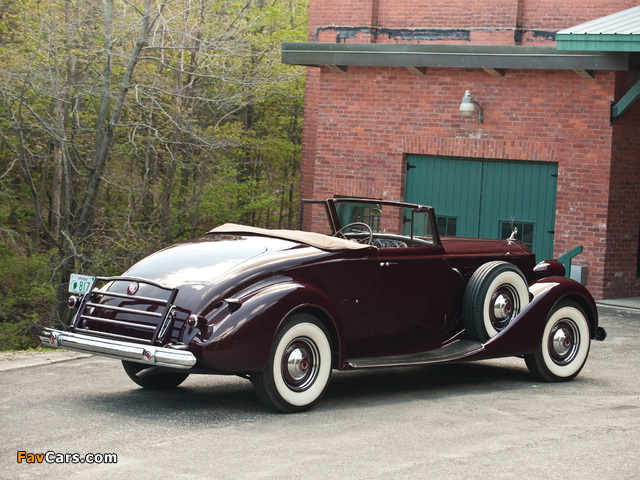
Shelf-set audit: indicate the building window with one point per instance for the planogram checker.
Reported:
(369, 213)
(525, 232)
(447, 226)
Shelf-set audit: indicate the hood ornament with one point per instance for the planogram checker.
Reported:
(514, 232)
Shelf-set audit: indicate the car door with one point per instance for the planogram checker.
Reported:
(417, 302)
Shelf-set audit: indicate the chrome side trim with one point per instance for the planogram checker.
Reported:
(133, 352)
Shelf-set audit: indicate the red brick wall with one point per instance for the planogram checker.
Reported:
(331, 13)
(554, 15)
(623, 227)
(309, 139)
(359, 125)
(491, 22)
(493, 14)
(370, 118)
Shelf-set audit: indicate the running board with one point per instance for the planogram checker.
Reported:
(456, 350)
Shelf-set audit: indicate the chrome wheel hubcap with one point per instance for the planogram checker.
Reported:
(503, 307)
(563, 342)
(300, 364)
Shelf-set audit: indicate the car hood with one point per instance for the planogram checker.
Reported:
(459, 246)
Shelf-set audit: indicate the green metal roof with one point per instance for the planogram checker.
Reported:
(618, 32)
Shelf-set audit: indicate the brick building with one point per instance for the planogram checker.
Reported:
(385, 80)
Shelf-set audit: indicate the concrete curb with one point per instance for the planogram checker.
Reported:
(14, 360)
(631, 303)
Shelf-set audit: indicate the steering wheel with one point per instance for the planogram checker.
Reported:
(365, 241)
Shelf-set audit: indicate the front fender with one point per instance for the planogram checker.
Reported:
(241, 342)
(524, 335)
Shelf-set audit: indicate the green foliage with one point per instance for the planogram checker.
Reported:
(25, 293)
(210, 132)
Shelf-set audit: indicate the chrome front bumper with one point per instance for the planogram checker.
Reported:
(132, 352)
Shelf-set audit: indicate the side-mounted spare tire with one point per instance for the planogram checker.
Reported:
(494, 296)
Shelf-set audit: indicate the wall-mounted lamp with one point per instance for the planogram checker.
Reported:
(468, 106)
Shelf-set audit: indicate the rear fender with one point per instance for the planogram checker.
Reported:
(524, 335)
(242, 340)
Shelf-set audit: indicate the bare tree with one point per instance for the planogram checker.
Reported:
(143, 133)
(109, 115)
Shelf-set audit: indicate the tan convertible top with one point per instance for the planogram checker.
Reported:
(318, 240)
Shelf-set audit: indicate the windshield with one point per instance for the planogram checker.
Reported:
(392, 223)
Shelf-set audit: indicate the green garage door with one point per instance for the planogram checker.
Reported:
(478, 198)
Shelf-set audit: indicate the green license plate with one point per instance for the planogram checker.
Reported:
(80, 284)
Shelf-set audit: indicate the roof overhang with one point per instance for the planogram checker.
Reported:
(607, 43)
(618, 32)
(417, 57)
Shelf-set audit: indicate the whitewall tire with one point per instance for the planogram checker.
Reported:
(496, 293)
(565, 345)
(299, 366)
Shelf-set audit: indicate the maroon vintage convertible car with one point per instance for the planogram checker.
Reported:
(283, 308)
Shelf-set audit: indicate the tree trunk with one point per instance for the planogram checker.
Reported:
(106, 126)
(167, 187)
(56, 191)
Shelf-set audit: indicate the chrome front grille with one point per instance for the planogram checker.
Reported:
(113, 308)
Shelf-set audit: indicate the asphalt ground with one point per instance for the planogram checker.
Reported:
(489, 420)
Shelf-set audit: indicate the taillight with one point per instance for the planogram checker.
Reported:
(196, 321)
(73, 301)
